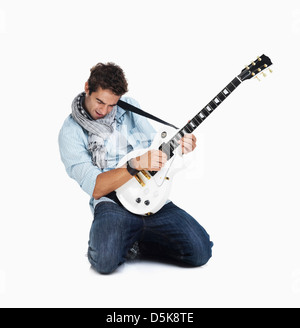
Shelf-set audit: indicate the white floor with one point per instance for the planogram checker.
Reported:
(252, 266)
(152, 285)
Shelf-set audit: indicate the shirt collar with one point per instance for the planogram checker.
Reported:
(120, 114)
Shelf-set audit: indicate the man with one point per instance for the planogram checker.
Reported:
(92, 140)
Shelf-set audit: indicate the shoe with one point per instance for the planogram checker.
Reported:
(133, 252)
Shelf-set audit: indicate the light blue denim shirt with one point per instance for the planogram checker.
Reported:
(132, 132)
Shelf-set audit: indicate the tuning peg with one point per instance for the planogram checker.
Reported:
(257, 78)
(263, 74)
(270, 70)
(259, 59)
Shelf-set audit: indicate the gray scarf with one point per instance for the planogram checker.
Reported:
(99, 130)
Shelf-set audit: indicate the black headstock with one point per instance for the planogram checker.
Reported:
(255, 68)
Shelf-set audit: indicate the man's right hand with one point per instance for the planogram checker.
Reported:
(153, 160)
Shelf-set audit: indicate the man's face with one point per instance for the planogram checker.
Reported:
(100, 103)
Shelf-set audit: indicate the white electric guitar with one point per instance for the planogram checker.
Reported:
(148, 192)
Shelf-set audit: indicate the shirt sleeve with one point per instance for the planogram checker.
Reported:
(76, 158)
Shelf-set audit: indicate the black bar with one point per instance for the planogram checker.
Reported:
(148, 317)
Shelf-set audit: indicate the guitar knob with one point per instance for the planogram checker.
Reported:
(147, 202)
(138, 200)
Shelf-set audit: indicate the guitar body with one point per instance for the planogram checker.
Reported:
(145, 194)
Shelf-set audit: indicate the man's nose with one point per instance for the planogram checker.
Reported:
(103, 108)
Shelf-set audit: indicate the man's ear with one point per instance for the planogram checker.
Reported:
(86, 88)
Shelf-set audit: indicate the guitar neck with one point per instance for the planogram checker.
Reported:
(192, 125)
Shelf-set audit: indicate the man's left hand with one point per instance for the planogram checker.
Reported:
(188, 143)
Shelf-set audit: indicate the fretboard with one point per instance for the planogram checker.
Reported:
(192, 125)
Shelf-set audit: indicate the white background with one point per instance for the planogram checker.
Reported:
(243, 183)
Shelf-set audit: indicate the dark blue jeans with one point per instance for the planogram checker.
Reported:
(171, 234)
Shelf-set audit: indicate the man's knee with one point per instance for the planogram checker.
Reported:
(201, 252)
(103, 263)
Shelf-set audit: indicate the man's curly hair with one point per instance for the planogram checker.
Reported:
(108, 76)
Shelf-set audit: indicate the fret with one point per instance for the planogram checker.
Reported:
(193, 124)
(173, 143)
(236, 82)
(181, 133)
(197, 119)
(205, 112)
(169, 146)
(212, 105)
(226, 92)
(188, 128)
(203, 117)
(230, 87)
(177, 136)
(221, 96)
(217, 101)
